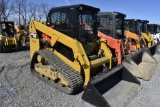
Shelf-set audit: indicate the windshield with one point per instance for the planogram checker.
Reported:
(105, 21)
(150, 29)
(86, 20)
(155, 29)
(129, 25)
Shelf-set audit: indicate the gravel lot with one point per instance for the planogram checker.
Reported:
(19, 88)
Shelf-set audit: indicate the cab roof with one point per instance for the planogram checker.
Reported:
(77, 6)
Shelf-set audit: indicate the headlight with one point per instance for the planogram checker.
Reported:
(33, 35)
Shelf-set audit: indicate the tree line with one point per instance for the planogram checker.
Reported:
(22, 11)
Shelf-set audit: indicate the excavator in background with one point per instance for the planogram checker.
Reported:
(67, 54)
(9, 39)
(111, 28)
(153, 49)
(153, 30)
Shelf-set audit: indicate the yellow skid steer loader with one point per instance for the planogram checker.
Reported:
(67, 54)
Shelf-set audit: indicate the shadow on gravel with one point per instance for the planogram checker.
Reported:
(24, 48)
(78, 92)
(1, 68)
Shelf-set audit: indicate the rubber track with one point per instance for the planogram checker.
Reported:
(75, 80)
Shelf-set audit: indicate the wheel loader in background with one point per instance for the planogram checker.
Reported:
(153, 30)
(67, 54)
(111, 28)
(153, 49)
(8, 38)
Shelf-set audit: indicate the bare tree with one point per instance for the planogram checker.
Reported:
(21, 9)
(6, 9)
(32, 10)
(24, 13)
(46, 8)
(42, 10)
(0, 10)
(40, 13)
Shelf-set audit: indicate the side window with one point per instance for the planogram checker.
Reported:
(61, 22)
(55, 18)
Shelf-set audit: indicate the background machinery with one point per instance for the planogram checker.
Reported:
(153, 49)
(153, 30)
(8, 37)
(132, 27)
(146, 38)
(144, 31)
(111, 29)
(67, 54)
(23, 30)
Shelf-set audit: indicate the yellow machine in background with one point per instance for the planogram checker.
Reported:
(67, 54)
(132, 27)
(8, 37)
(144, 31)
(23, 30)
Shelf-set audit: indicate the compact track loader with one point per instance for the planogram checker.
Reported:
(67, 54)
(8, 37)
(153, 49)
(140, 28)
(132, 27)
(112, 30)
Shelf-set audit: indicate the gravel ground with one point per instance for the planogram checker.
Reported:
(19, 88)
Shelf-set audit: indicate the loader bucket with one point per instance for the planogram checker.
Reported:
(113, 89)
(154, 51)
(141, 64)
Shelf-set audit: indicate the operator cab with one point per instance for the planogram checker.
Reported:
(7, 28)
(152, 28)
(133, 25)
(76, 21)
(112, 24)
